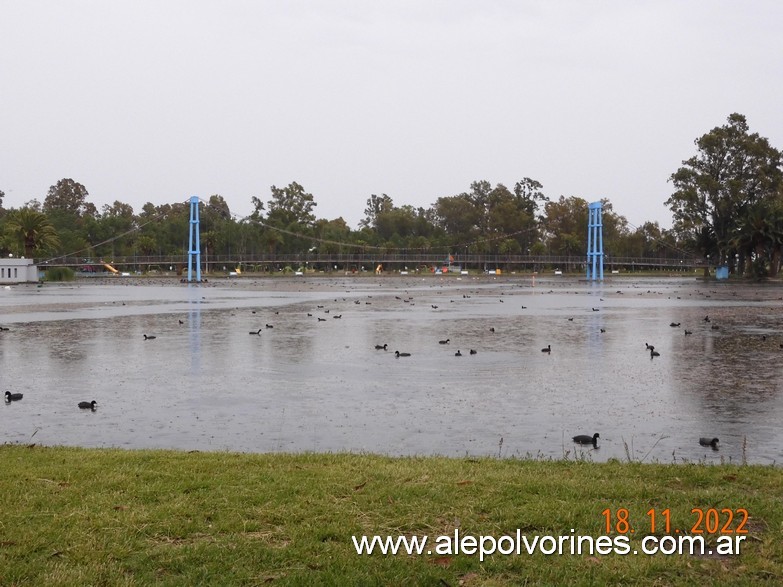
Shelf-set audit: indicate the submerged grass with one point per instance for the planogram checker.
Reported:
(72, 516)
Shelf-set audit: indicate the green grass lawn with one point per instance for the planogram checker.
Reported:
(73, 516)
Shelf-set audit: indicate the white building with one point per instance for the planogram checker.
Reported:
(18, 271)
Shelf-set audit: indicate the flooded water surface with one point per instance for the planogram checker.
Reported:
(309, 377)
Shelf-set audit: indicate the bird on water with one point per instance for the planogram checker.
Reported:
(458, 354)
(149, 337)
(88, 405)
(713, 442)
(547, 349)
(398, 354)
(585, 439)
(381, 347)
(13, 397)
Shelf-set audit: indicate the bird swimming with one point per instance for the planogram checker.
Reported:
(473, 352)
(548, 349)
(585, 439)
(654, 353)
(398, 354)
(458, 354)
(149, 337)
(675, 324)
(649, 347)
(444, 341)
(269, 326)
(13, 397)
(713, 442)
(88, 405)
(380, 347)
(255, 331)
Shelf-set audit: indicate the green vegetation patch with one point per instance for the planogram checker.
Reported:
(60, 274)
(73, 516)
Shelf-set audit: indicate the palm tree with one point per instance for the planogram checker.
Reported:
(32, 230)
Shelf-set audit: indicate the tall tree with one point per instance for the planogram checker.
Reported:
(69, 196)
(566, 225)
(458, 216)
(376, 205)
(291, 210)
(72, 215)
(291, 206)
(529, 195)
(113, 228)
(219, 205)
(32, 231)
(731, 173)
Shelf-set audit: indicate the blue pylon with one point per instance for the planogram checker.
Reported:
(595, 243)
(194, 245)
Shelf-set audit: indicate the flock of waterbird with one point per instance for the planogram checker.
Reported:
(15, 397)
(582, 439)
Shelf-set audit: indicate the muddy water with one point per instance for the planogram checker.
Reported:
(305, 384)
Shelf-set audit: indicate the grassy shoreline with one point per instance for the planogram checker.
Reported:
(116, 517)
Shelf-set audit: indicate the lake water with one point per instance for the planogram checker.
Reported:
(205, 383)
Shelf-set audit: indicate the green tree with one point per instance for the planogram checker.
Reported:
(376, 205)
(71, 214)
(565, 224)
(731, 173)
(32, 230)
(331, 233)
(291, 206)
(112, 233)
(529, 196)
(146, 245)
(291, 210)
(70, 197)
(458, 216)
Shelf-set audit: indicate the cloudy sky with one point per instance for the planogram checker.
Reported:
(155, 101)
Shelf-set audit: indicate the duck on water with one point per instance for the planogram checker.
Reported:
(586, 439)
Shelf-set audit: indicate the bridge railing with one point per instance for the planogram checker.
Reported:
(369, 260)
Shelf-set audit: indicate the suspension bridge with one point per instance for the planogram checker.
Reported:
(345, 257)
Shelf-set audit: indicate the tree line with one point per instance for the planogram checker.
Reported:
(727, 203)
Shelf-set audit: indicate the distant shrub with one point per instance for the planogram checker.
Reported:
(60, 274)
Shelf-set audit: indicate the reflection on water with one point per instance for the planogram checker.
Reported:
(319, 385)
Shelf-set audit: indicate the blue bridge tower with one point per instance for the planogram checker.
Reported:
(595, 243)
(194, 245)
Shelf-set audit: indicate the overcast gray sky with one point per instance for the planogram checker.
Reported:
(155, 101)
